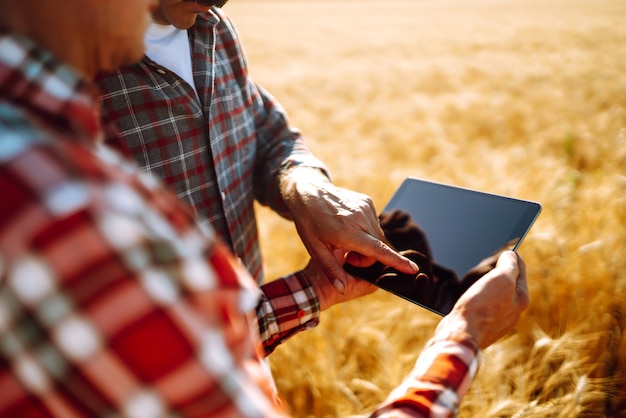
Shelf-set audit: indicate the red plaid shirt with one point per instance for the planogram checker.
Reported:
(112, 301)
(219, 151)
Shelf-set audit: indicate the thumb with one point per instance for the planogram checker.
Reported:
(331, 262)
(508, 261)
(514, 267)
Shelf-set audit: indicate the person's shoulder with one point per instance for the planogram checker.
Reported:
(225, 23)
(25, 144)
(42, 180)
(45, 165)
(39, 158)
(123, 79)
(16, 127)
(47, 181)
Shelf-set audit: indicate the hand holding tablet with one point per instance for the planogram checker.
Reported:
(454, 234)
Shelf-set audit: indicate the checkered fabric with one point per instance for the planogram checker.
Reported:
(292, 307)
(219, 152)
(113, 302)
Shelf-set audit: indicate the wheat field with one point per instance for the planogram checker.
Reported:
(521, 97)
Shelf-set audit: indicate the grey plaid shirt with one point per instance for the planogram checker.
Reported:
(219, 152)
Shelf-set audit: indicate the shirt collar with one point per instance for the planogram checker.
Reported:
(34, 78)
(210, 16)
(209, 19)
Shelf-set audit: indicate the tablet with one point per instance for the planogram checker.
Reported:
(454, 234)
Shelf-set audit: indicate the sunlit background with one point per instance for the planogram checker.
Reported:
(520, 97)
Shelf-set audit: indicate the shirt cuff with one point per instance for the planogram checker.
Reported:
(288, 305)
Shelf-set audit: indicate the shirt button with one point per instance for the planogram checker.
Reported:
(301, 314)
(161, 71)
(223, 196)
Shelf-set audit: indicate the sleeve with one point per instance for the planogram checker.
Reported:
(441, 377)
(288, 305)
(280, 146)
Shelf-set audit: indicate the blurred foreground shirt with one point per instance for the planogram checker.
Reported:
(112, 301)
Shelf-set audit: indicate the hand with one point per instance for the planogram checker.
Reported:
(328, 217)
(327, 294)
(492, 305)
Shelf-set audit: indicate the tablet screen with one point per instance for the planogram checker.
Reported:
(454, 234)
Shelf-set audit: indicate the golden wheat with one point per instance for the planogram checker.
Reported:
(521, 97)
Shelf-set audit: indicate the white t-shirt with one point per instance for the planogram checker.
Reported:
(169, 47)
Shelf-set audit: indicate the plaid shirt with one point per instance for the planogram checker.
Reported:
(219, 151)
(112, 301)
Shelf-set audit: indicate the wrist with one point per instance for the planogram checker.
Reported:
(298, 175)
(312, 276)
(455, 327)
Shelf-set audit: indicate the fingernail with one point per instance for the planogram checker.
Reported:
(414, 266)
(339, 286)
